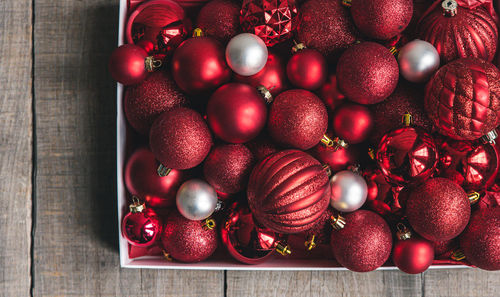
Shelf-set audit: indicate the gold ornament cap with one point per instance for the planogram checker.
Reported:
(490, 137)
(152, 64)
(209, 224)
(473, 197)
(336, 143)
(407, 119)
(266, 94)
(163, 171)
(338, 222)
(346, 3)
(457, 255)
(198, 32)
(283, 249)
(310, 242)
(449, 7)
(403, 232)
(298, 47)
(136, 205)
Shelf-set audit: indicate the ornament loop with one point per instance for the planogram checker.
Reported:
(310, 244)
(403, 232)
(346, 3)
(136, 205)
(283, 249)
(298, 47)
(209, 224)
(266, 94)
(152, 64)
(167, 256)
(163, 171)
(457, 255)
(473, 197)
(394, 50)
(490, 137)
(449, 8)
(338, 222)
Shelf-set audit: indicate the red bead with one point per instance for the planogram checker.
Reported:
(220, 19)
(413, 255)
(141, 228)
(330, 93)
(352, 122)
(307, 69)
(126, 64)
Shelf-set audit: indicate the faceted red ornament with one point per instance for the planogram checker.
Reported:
(352, 122)
(413, 255)
(288, 191)
(127, 64)
(463, 98)
(141, 226)
(272, 20)
(330, 93)
(307, 69)
(220, 19)
(379, 192)
(337, 159)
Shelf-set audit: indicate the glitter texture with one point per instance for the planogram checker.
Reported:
(220, 19)
(262, 146)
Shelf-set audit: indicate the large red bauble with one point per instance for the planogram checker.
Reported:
(144, 102)
(127, 64)
(330, 93)
(228, 167)
(297, 118)
(307, 69)
(364, 244)
(413, 255)
(367, 73)
(438, 209)
(186, 240)
(141, 228)
(199, 65)
(337, 159)
(288, 191)
(220, 19)
(480, 241)
(180, 138)
(462, 98)
(352, 122)
(236, 112)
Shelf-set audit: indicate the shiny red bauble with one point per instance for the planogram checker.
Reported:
(352, 122)
(364, 244)
(367, 73)
(297, 118)
(180, 138)
(463, 98)
(142, 227)
(288, 191)
(337, 159)
(307, 69)
(220, 19)
(380, 192)
(236, 112)
(199, 65)
(127, 64)
(413, 255)
(330, 93)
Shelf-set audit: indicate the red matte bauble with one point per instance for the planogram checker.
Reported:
(220, 19)
(288, 191)
(141, 228)
(330, 93)
(381, 19)
(180, 138)
(337, 159)
(367, 73)
(127, 64)
(186, 240)
(297, 118)
(364, 244)
(236, 112)
(413, 255)
(144, 102)
(307, 69)
(480, 241)
(352, 122)
(438, 209)
(199, 65)
(228, 167)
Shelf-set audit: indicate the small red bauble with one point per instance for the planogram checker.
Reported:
(438, 209)
(364, 244)
(127, 64)
(220, 19)
(413, 255)
(288, 191)
(236, 112)
(297, 118)
(188, 241)
(462, 98)
(330, 93)
(480, 241)
(352, 122)
(367, 73)
(307, 69)
(337, 159)
(199, 65)
(141, 226)
(180, 138)
(380, 192)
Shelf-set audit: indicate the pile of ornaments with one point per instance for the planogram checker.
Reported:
(360, 131)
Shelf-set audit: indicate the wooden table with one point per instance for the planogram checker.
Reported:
(57, 177)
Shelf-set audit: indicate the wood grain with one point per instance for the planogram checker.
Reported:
(462, 283)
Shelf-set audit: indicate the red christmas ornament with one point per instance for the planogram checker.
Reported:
(188, 241)
(480, 241)
(321, 232)
(144, 102)
(297, 118)
(141, 226)
(129, 64)
(288, 191)
(458, 32)
(413, 255)
(379, 192)
(352, 122)
(444, 247)
(462, 98)
(367, 73)
(330, 93)
(180, 138)
(236, 113)
(199, 65)
(337, 159)
(191, 4)
(438, 209)
(307, 69)
(262, 146)
(220, 19)
(364, 244)
(272, 20)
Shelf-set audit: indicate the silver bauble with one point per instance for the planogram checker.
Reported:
(418, 60)
(348, 191)
(196, 200)
(246, 54)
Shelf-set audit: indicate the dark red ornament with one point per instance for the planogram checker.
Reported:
(262, 146)
(220, 19)
(443, 248)
(320, 233)
(128, 64)
(380, 192)
(330, 93)
(337, 159)
(288, 191)
(141, 226)
(307, 69)
(352, 122)
(413, 255)
(191, 4)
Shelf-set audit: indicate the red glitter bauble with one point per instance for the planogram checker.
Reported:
(297, 118)
(438, 209)
(227, 168)
(288, 191)
(145, 101)
(381, 19)
(262, 146)
(330, 93)
(337, 159)
(444, 247)
(413, 255)
(199, 65)
(352, 122)
(191, 4)
(364, 244)
(180, 138)
(462, 98)
(307, 69)
(480, 241)
(272, 20)
(236, 112)
(141, 228)
(127, 64)
(367, 73)
(186, 240)
(220, 19)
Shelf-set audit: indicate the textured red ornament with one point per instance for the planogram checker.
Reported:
(236, 112)
(413, 255)
(330, 93)
(352, 122)
(443, 248)
(220, 19)
(199, 65)
(141, 228)
(307, 69)
(127, 64)
(480, 241)
(364, 244)
(322, 230)
(462, 98)
(272, 20)
(337, 159)
(288, 191)
(180, 138)
(367, 73)
(262, 146)
(297, 118)
(438, 209)
(187, 241)
(144, 102)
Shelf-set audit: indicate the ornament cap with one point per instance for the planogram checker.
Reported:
(283, 249)
(394, 50)
(473, 197)
(136, 205)
(407, 119)
(298, 47)
(449, 7)
(310, 243)
(403, 232)
(198, 32)
(490, 137)
(266, 94)
(163, 171)
(209, 224)
(338, 222)
(167, 256)
(346, 3)
(457, 255)
(327, 169)
(371, 153)
(152, 64)
(336, 142)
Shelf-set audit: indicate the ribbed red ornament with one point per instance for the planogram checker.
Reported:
(288, 191)
(220, 19)
(413, 255)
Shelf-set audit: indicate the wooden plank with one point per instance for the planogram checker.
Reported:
(462, 283)
(15, 146)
